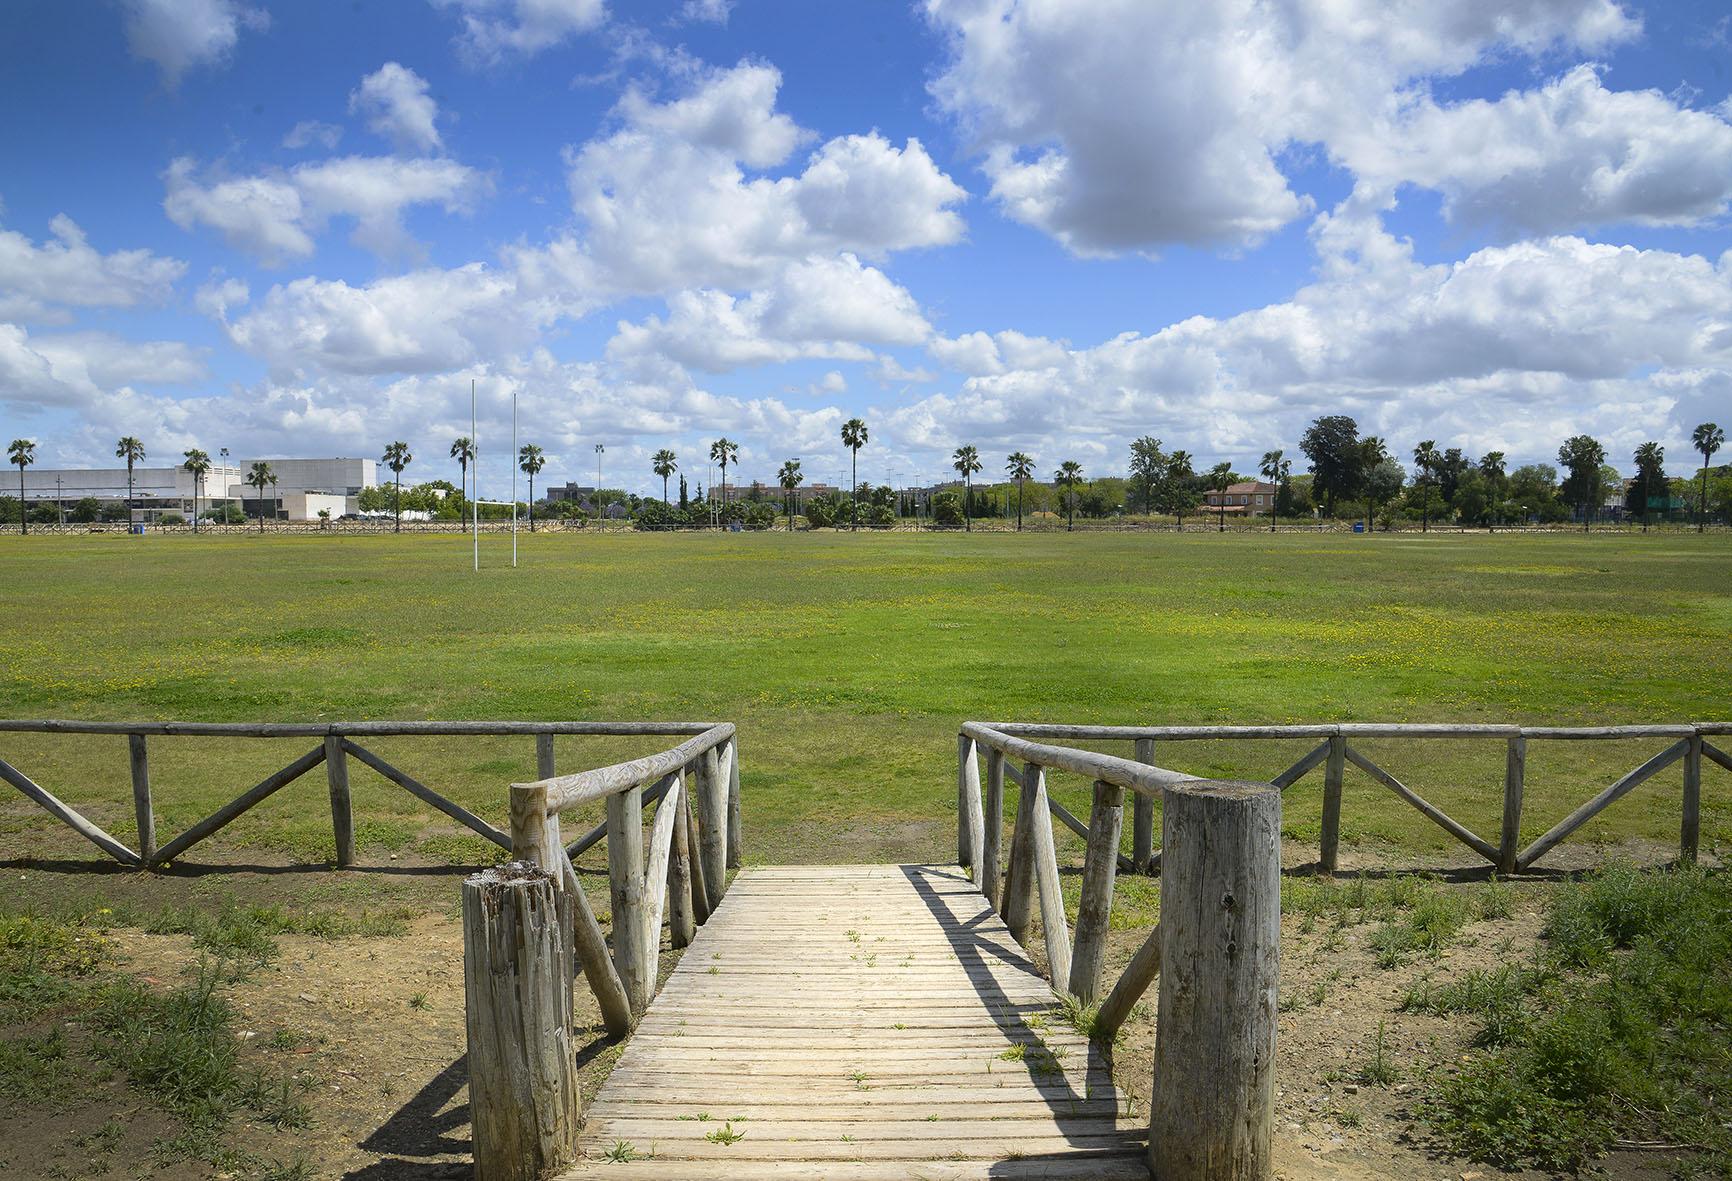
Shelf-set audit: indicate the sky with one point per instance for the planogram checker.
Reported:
(1040, 225)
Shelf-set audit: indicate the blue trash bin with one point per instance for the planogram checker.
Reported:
(1359, 526)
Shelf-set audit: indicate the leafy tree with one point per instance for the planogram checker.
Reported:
(724, 451)
(530, 461)
(1451, 466)
(198, 463)
(397, 458)
(1426, 458)
(685, 500)
(1374, 486)
(131, 450)
(1533, 488)
(664, 463)
(658, 514)
(258, 476)
(1068, 476)
(1383, 485)
(789, 478)
(23, 453)
(87, 510)
(1706, 438)
(947, 509)
(1219, 477)
(854, 438)
(1472, 501)
(1148, 470)
(1177, 489)
(1274, 468)
(1650, 478)
(966, 461)
(463, 451)
(1331, 443)
(1491, 469)
(1019, 466)
(1582, 456)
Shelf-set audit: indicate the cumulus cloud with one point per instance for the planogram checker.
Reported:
(395, 103)
(310, 131)
(278, 214)
(41, 281)
(493, 29)
(1127, 125)
(177, 35)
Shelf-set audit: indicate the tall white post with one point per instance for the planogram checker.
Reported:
(514, 479)
(475, 481)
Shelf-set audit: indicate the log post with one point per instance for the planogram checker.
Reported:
(972, 813)
(342, 812)
(1212, 1106)
(1690, 831)
(140, 759)
(1095, 908)
(964, 760)
(544, 756)
(682, 918)
(1514, 776)
(734, 802)
(694, 842)
(712, 819)
(625, 887)
(1143, 815)
(1018, 905)
(1055, 932)
(523, 1090)
(1333, 773)
(991, 854)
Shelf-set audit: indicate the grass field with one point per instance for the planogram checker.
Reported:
(848, 661)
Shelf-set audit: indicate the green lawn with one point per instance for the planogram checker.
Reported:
(848, 661)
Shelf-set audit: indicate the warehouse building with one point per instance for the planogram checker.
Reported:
(302, 489)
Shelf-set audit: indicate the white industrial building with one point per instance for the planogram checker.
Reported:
(303, 487)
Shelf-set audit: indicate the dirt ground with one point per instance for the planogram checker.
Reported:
(374, 1028)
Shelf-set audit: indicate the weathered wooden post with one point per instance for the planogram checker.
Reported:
(971, 811)
(544, 756)
(1690, 831)
(711, 791)
(342, 813)
(1095, 907)
(524, 1102)
(966, 771)
(1334, 771)
(682, 916)
(1018, 905)
(140, 759)
(991, 851)
(625, 881)
(1143, 815)
(734, 802)
(1514, 775)
(1212, 1106)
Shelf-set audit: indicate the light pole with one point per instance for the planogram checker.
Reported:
(600, 449)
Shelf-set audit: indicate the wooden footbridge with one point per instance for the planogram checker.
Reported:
(880, 1021)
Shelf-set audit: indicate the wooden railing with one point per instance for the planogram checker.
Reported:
(335, 743)
(1212, 1104)
(528, 925)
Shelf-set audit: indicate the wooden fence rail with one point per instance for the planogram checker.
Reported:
(337, 743)
(520, 1058)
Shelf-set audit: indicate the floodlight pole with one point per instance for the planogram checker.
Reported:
(475, 462)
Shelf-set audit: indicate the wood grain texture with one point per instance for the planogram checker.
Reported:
(861, 1022)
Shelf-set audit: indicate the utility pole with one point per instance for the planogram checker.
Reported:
(600, 450)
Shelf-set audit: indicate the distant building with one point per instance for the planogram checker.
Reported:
(578, 493)
(1249, 496)
(302, 488)
(340, 477)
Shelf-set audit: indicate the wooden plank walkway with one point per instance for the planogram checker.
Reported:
(857, 1023)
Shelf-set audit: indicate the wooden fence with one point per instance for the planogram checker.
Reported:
(334, 744)
(1211, 1108)
(528, 925)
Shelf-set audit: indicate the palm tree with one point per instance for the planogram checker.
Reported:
(1179, 471)
(463, 451)
(1425, 456)
(789, 478)
(131, 450)
(1220, 477)
(724, 451)
(1273, 468)
(1706, 438)
(397, 458)
(854, 438)
(1650, 463)
(966, 461)
(530, 460)
(198, 463)
(258, 476)
(1068, 476)
(1019, 467)
(1492, 468)
(664, 463)
(23, 453)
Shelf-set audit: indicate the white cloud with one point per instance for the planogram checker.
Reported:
(820, 307)
(311, 131)
(396, 104)
(493, 29)
(714, 12)
(108, 360)
(831, 385)
(1126, 125)
(38, 281)
(734, 112)
(277, 215)
(179, 34)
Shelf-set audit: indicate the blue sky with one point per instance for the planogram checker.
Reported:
(1053, 226)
